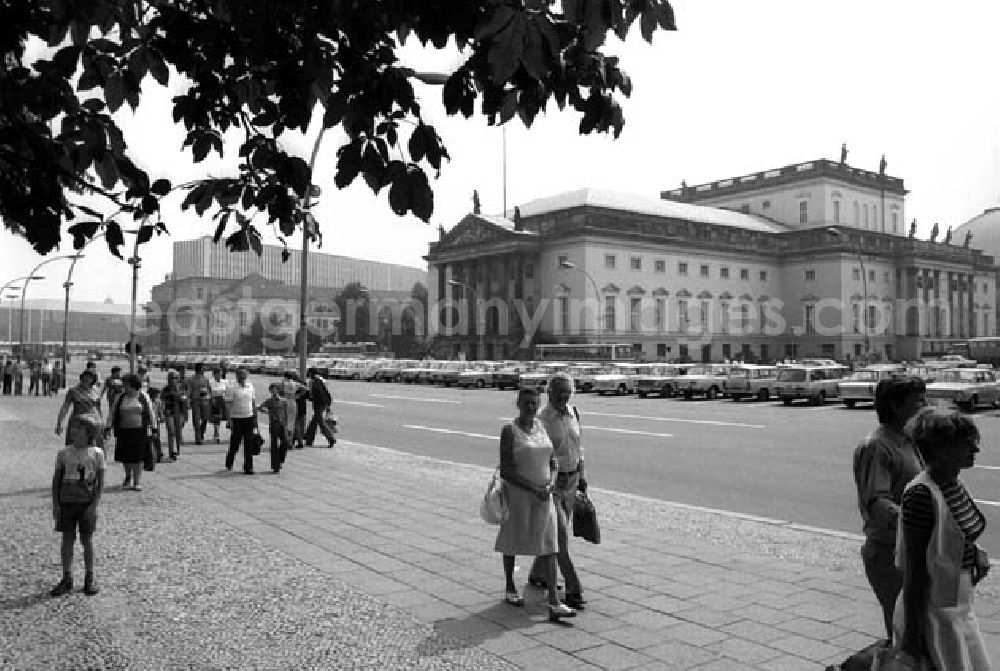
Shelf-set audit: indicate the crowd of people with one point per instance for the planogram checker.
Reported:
(45, 376)
(141, 418)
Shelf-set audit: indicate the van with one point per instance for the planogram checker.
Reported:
(813, 383)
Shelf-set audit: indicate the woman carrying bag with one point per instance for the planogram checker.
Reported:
(131, 419)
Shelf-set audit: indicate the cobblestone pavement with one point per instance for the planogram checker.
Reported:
(364, 557)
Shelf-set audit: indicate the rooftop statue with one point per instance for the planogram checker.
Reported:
(968, 239)
(934, 232)
(476, 205)
(913, 228)
(881, 166)
(947, 236)
(843, 153)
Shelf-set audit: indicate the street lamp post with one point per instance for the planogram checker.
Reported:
(480, 326)
(10, 318)
(569, 265)
(863, 322)
(24, 292)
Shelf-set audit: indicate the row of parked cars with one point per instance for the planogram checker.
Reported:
(816, 381)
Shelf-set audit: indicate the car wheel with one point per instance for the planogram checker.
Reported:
(850, 403)
(642, 394)
(820, 398)
(667, 392)
(712, 393)
(786, 401)
(688, 396)
(967, 406)
(480, 384)
(588, 387)
(763, 395)
(397, 377)
(621, 389)
(736, 397)
(600, 392)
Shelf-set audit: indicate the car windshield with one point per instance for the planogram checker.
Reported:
(699, 370)
(865, 376)
(958, 376)
(739, 373)
(792, 375)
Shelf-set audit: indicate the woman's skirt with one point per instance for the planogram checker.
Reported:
(131, 446)
(531, 526)
(217, 409)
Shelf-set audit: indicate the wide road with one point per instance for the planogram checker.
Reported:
(788, 463)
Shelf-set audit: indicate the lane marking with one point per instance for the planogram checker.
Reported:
(412, 398)
(988, 503)
(367, 405)
(988, 468)
(615, 430)
(450, 431)
(674, 419)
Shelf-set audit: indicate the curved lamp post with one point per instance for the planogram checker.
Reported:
(24, 290)
(835, 233)
(480, 326)
(569, 265)
(10, 315)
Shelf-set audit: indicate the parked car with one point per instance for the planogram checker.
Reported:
(510, 376)
(860, 386)
(584, 373)
(704, 380)
(539, 377)
(619, 379)
(273, 365)
(965, 387)
(481, 374)
(664, 383)
(393, 370)
(750, 381)
(814, 383)
(449, 372)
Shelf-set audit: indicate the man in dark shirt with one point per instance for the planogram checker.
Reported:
(884, 462)
(321, 403)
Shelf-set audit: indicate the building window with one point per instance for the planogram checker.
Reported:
(745, 208)
(636, 262)
(564, 313)
(888, 277)
(857, 317)
(199, 293)
(561, 259)
(857, 213)
(857, 349)
(744, 273)
(744, 317)
(635, 313)
(703, 317)
(763, 276)
(763, 353)
(766, 205)
(660, 266)
(836, 211)
(609, 313)
(829, 350)
(727, 351)
(661, 314)
(703, 271)
(895, 222)
(803, 212)
(661, 350)
(609, 261)
(791, 351)
(872, 317)
(682, 269)
(865, 210)
(682, 314)
(875, 218)
(871, 275)
(529, 271)
(856, 274)
(723, 273)
(809, 318)
(682, 352)
(810, 275)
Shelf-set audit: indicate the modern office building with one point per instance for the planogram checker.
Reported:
(784, 263)
(204, 258)
(92, 325)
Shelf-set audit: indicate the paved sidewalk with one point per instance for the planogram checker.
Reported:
(390, 547)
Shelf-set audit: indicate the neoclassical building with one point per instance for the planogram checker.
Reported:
(810, 259)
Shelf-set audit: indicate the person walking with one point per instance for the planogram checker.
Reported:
(200, 395)
(173, 414)
(83, 399)
(77, 485)
(112, 385)
(529, 470)
(58, 376)
(45, 375)
(242, 413)
(8, 377)
(321, 401)
(217, 406)
(562, 423)
(131, 418)
(34, 376)
(301, 408)
(276, 408)
(883, 463)
(294, 393)
(937, 551)
(18, 377)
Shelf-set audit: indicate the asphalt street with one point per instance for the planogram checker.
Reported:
(764, 459)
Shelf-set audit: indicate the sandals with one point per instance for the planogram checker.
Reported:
(560, 611)
(513, 598)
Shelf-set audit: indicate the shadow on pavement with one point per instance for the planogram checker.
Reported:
(47, 491)
(23, 602)
(491, 623)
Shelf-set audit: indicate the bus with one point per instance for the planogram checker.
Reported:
(349, 349)
(984, 350)
(936, 347)
(585, 352)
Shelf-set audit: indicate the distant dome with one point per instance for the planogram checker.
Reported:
(985, 230)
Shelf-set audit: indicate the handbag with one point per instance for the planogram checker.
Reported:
(585, 519)
(331, 421)
(149, 454)
(493, 508)
(256, 442)
(894, 659)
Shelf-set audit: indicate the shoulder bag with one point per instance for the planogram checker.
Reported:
(585, 519)
(493, 508)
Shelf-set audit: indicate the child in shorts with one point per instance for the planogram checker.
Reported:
(277, 420)
(77, 485)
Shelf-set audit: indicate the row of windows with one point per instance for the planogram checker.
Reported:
(809, 275)
(660, 266)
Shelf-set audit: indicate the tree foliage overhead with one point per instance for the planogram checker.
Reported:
(264, 67)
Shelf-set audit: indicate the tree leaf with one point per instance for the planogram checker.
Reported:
(417, 143)
(160, 187)
(145, 234)
(399, 195)
(348, 164)
(114, 92)
(113, 236)
(421, 195)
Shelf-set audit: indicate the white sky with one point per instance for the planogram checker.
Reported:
(741, 87)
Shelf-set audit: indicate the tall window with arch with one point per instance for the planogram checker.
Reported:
(803, 212)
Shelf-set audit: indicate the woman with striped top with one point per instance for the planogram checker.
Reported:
(937, 551)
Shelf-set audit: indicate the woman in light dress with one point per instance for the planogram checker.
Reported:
(528, 469)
